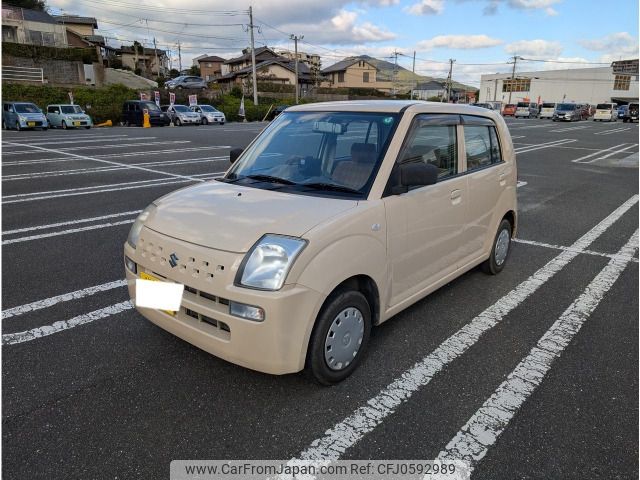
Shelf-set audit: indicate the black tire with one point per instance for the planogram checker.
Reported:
(64, 125)
(317, 365)
(18, 127)
(88, 127)
(4, 125)
(490, 266)
(179, 87)
(44, 129)
(178, 123)
(221, 123)
(204, 89)
(205, 121)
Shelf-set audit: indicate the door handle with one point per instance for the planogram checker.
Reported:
(502, 179)
(456, 196)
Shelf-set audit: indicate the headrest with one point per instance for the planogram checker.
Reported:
(364, 148)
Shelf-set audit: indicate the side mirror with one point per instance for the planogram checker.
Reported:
(235, 153)
(415, 175)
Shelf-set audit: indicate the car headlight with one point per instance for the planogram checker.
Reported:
(136, 228)
(21, 118)
(267, 264)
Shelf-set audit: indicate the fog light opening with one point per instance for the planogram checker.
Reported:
(248, 312)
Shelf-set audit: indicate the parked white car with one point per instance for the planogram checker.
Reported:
(607, 112)
(68, 116)
(209, 114)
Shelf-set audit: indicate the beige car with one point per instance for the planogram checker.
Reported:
(334, 219)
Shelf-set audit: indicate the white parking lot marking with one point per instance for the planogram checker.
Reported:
(70, 222)
(82, 140)
(562, 247)
(65, 297)
(521, 184)
(598, 152)
(82, 171)
(34, 333)
(613, 130)
(70, 192)
(555, 143)
(66, 150)
(83, 157)
(65, 232)
(353, 428)
(64, 136)
(570, 129)
(482, 430)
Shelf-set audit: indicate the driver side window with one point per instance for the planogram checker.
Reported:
(432, 144)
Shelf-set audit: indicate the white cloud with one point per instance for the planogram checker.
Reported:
(616, 46)
(462, 42)
(426, 7)
(535, 48)
(491, 7)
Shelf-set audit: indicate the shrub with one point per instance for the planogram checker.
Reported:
(84, 55)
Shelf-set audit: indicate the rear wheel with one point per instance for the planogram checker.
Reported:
(205, 121)
(340, 337)
(4, 125)
(500, 249)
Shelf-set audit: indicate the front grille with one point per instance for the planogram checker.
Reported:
(217, 324)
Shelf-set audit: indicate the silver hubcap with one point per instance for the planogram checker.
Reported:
(344, 338)
(502, 247)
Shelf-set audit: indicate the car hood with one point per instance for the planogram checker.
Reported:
(233, 217)
(35, 116)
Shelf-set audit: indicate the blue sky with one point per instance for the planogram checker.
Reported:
(470, 31)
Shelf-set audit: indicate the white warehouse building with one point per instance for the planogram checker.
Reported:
(617, 83)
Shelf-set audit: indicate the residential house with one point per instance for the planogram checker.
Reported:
(210, 66)
(311, 60)
(427, 90)
(83, 26)
(355, 72)
(151, 62)
(238, 63)
(33, 27)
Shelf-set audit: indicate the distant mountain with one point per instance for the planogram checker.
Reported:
(405, 79)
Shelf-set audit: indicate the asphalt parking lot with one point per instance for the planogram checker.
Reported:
(533, 373)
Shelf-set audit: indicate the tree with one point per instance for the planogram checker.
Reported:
(194, 70)
(30, 4)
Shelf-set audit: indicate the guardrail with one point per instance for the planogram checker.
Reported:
(25, 74)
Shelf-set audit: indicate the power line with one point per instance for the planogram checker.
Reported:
(134, 6)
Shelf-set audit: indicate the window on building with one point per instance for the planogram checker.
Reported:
(622, 82)
(341, 77)
(9, 33)
(516, 85)
(365, 77)
(208, 65)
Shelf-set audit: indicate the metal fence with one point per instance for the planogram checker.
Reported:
(25, 74)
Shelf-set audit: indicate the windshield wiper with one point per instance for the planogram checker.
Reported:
(330, 186)
(270, 179)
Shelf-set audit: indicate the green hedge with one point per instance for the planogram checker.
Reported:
(84, 55)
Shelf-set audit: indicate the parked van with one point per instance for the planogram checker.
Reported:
(606, 111)
(67, 116)
(547, 109)
(526, 110)
(334, 219)
(631, 114)
(22, 115)
(133, 110)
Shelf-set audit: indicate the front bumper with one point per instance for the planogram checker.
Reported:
(33, 123)
(190, 120)
(216, 119)
(277, 345)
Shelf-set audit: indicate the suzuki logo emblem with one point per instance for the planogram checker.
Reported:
(173, 260)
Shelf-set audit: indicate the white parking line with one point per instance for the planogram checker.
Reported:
(615, 152)
(70, 192)
(570, 129)
(28, 335)
(521, 183)
(65, 150)
(599, 152)
(82, 140)
(110, 155)
(65, 297)
(82, 171)
(65, 137)
(482, 430)
(541, 146)
(349, 431)
(562, 247)
(70, 222)
(619, 130)
(65, 232)
(83, 157)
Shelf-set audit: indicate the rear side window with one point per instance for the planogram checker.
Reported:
(482, 146)
(433, 144)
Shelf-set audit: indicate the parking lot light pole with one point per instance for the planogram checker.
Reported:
(295, 39)
(513, 75)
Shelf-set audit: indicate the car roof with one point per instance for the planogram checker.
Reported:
(393, 106)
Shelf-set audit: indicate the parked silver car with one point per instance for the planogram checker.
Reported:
(209, 114)
(181, 115)
(22, 115)
(67, 116)
(186, 82)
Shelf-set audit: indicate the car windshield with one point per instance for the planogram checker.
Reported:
(334, 153)
(181, 108)
(523, 105)
(509, 105)
(566, 107)
(150, 106)
(207, 108)
(548, 105)
(604, 106)
(27, 108)
(70, 109)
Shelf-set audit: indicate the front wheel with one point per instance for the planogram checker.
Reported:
(205, 121)
(178, 122)
(500, 250)
(64, 125)
(340, 337)
(18, 127)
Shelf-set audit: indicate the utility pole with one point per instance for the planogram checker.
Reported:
(179, 57)
(295, 39)
(155, 49)
(449, 78)
(414, 62)
(395, 71)
(513, 75)
(253, 59)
